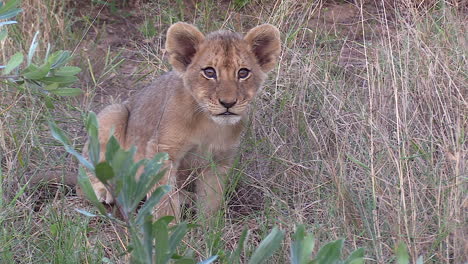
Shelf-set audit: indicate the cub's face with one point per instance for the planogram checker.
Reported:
(223, 71)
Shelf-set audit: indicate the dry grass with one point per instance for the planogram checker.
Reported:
(360, 132)
(375, 152)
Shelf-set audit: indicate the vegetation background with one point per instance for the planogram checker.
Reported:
(360, 132)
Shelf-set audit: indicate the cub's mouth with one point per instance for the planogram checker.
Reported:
(226, 118)
(227, 113)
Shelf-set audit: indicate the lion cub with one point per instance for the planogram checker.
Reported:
(195, 112)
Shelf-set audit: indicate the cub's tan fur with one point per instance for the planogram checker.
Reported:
(195, 112)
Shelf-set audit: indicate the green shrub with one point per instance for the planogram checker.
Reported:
(47, 78)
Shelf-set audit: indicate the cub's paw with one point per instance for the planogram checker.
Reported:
(103, 195)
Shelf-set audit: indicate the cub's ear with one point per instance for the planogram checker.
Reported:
(265, 43)
(182, 42)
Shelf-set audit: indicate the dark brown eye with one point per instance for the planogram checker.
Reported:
(209, 73)
(243, 73)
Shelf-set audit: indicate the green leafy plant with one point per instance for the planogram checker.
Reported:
(303, 244)
(50, 77)
(151, 241)
(8, 10)
(265, 249)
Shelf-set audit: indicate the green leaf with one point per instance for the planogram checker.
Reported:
(30, 68)
(209, 260)
(151, 174)
(59, 58)
(3, 33)
(330, 253)
(92, 124)
(67, 71)
(33, 72)
(356, 257)
(167, 219)
(84, 212)
(302, 246)
(123, 162)
(67, 91)
(94, 146)
(235, 256)
(86, 187)
(148, 239)
(151, 202)
(161, 235)
(401, 252)
(33, 47)
(125, 181)
(58, 134)
(14, 62)
(63, 80)
(104, 172)
(111, 148)
(267, 247)
(52, 86)
(9, 5)
(137, 249)
(176, 236)
(10, 14)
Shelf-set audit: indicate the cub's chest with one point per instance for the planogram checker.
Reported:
(215, 138)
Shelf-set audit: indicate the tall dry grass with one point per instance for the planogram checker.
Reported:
(374, 150)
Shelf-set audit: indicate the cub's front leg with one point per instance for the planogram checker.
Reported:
(112, 117)
(210, 186)
(170, 203)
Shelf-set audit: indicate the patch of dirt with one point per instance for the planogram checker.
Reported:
(346, 21)
(112, 34)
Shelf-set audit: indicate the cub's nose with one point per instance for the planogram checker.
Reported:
(228, 104)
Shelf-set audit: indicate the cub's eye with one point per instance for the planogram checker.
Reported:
(243, 73)
(209, 73)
